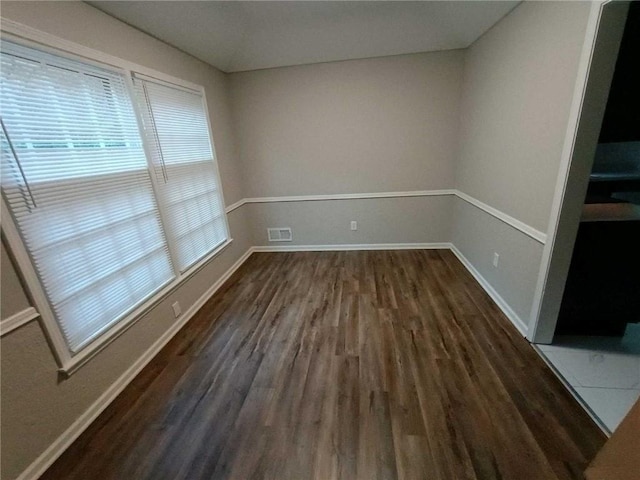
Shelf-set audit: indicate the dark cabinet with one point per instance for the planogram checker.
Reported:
(602, 293)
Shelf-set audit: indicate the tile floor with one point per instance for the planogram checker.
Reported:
(603, 372)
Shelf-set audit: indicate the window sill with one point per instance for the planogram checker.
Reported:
(95, 347)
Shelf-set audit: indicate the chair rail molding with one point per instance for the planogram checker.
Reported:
(522, 227)
(17, 320)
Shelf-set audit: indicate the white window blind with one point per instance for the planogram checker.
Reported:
(178, 141)
(76, 179)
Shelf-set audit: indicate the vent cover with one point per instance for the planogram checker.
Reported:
(279, 234)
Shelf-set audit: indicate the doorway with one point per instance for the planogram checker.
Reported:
(589, 287)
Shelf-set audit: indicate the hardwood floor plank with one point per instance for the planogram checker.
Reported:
(342, 365)
(376, 452)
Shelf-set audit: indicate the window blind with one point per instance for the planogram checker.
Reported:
(76, 179)
(177, 133)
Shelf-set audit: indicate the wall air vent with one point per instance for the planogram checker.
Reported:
(279, 234)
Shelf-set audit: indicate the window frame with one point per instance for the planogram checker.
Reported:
(157, 185)
(68, 363)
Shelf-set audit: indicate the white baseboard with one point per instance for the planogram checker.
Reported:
(351, 246)
(495, 296)
(51, 454)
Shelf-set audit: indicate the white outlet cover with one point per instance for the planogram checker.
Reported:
(496, 258)
(354, 225)
(176, 309)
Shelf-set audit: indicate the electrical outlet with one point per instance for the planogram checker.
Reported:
(354, 225)
(176, 309)
(496, 258)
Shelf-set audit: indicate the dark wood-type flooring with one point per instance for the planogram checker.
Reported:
(351, 365)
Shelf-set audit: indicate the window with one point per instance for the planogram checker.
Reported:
(176, 128)
(104, 232)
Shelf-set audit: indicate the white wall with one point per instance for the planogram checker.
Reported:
(518, 86)
(375, 125)
(415, 220)
(37, 404)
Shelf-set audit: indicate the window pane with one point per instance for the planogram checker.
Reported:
(78, 185)
(178, 136)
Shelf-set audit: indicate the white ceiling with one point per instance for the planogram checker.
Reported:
(236, 36)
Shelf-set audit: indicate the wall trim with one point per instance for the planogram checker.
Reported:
(351, 246)
(351, 196)
(233, 206)
(57, 448)
(339, 196)
(528, 230)
(495, 296)
(17, 320)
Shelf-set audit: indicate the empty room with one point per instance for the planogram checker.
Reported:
(317, 240)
